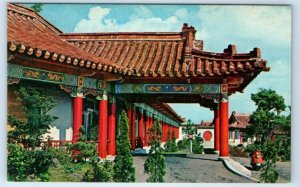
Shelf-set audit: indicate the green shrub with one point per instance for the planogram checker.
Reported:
(81, 151)
(22, 163)
(155, 165)
(170, 145)
(100, 172)
(198, 147)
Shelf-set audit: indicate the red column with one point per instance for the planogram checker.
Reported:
(133, 118)
(224, 149)
(163, 131)
(146, 129)
(141, 128)
(112, 127)
(102, 127)
(217, 131)
(77, 117)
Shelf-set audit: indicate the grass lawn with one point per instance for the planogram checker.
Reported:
(58, 174)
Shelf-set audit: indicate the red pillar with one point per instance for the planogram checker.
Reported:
(224, 149)
(102, 127)
(141, 128)
(163, 131)
(133, 118)
(217, 130)
(77, 117)
(146, 129)
(112, 127)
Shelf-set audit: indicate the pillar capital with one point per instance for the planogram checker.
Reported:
(102, 96)
(224, 98)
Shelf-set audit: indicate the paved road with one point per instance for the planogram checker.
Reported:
(283, 169)
(192, 170)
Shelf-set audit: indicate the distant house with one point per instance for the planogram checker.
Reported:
(238, 123)
(206, 129)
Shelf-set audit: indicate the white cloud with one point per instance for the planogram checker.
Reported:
(267, 23)
(98, 22)
(182, 13)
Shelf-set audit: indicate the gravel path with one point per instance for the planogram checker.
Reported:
(191, 170)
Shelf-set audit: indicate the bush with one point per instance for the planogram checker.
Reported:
(80, 151)
(182, 144)
(170, 145)
(22, 163)
(198, 147)
(100, 172)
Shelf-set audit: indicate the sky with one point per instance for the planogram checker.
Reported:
(246, 26)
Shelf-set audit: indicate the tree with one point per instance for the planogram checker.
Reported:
(124, 170)
(38, 7)
(155, 164)
(190, 129)
(23, 158)
(265, 119)
(35, 104)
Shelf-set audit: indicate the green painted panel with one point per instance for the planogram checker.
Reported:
(167, 88)
(22, 72)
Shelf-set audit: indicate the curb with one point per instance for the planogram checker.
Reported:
(230, 168)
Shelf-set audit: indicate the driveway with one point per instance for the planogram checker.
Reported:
(192, 170)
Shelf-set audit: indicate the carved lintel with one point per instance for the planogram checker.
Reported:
(72, 90)
(94, 92)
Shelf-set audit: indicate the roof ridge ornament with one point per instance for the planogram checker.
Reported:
(188, 35)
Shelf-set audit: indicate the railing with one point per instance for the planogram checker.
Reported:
(62, 143)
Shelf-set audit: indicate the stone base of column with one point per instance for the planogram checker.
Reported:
(110, 157)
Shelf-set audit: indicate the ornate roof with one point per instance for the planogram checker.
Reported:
(239, 120)
(206, 125)
(165, 54)
(31, 35)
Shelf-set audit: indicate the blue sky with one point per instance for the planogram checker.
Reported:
(266, 27)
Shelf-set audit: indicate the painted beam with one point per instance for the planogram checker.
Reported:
(22, 72)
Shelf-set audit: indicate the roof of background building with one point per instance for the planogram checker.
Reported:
(237, 120)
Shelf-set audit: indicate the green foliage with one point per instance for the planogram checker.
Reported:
(155, 164)
(183, 144)
(35, 106)
(170, 145)
(81, 151)
(190, 129)
(100, 172)
(265, 120)
(38, 7)
(22, 163)
(198, 147)
(65, 160)
(270, 151)
(24, 159)
(124, 170)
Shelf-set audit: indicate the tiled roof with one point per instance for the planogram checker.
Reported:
(30, 34)
(239, 120)
(167, 110)
(165, 54)
(206, 125)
